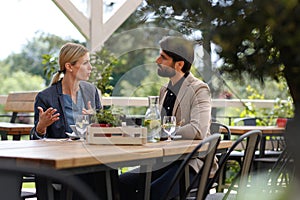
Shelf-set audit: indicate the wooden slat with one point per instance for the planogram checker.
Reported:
(20, 102)
(25, 96)
(19, 107)
(3, 99)
(16, 129)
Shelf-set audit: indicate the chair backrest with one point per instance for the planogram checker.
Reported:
(215, 128)
(11, 182)
(282, 172)
(247, 121)
(17, 102)
(252, 139)
(208, 150)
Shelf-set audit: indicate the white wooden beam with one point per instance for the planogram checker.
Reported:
(77, 18)
(96, 24)
(92, 26)
(116, 20)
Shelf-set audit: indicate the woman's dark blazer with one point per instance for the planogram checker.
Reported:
(53, 97)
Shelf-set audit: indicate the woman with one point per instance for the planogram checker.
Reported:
(69, 95)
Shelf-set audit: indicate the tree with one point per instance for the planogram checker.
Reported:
(259, 37)
(263, 39)
(31, 56)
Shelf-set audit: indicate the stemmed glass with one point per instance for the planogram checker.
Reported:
(169, 125)
(82, 122)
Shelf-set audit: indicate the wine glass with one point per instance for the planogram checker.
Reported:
(81, 122)
(169, 125)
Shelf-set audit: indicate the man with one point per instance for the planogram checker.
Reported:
(185, 97)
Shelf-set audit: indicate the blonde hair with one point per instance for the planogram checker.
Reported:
(69, 53)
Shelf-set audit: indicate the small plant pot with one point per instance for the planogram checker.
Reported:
(281, 122)
(102, 125)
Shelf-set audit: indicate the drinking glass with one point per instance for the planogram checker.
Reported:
(81, 122)
(169, 125)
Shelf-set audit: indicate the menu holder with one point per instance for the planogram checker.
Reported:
(117, 135)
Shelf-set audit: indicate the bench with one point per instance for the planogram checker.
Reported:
(17, 102)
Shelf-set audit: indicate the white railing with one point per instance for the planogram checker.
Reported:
(217, 103)
(143, 101)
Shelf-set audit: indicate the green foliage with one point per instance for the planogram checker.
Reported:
(31, 55)
(18, 81)
(260, 38)
(103, 62)
(50, 65)
(106, 116)
(256, 37)
(283, 108)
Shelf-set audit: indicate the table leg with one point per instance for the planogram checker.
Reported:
(145, 182)
(17, 137)
(112, 186)
(44, 188)
(10, 185)
(3, 135)
(262, 147)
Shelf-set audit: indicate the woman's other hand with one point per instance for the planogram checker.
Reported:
(88, 111)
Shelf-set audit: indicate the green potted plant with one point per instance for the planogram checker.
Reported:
(282, 111)
(106, 118)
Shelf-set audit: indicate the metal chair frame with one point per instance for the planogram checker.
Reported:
(201, 179)
(253, 138)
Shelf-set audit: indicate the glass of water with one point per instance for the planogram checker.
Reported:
(82, 122)
(169, 125)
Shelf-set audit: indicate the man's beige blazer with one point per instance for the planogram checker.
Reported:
(192, 109)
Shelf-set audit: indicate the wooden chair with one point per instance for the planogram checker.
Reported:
(20, 102)
(16, 103)
(252, 139)
(11, 183)
(200, 180)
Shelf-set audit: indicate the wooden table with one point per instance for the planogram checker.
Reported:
(78, 157)
(266, 131)
(14, 129)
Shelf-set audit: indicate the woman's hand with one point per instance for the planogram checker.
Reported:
(88, 111)
(46, 118)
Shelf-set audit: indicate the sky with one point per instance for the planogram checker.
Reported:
(21, 19)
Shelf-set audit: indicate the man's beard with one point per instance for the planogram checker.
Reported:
(166, 71)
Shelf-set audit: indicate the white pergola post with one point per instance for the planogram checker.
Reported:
(92, 26)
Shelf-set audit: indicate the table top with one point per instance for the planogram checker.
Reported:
(64, 154)
(16, 128)
(239, 130)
